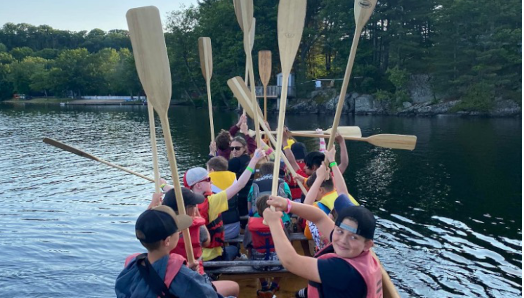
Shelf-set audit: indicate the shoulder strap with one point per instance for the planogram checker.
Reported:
(151, 277)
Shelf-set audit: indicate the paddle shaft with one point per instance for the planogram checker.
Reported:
(92, 157)
(280, 130)
(210, 108)
(265, 102)
(176, 182)
(152, 131)
(343, 90)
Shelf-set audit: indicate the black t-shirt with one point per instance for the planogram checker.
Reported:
(238, 165)
(340, 279)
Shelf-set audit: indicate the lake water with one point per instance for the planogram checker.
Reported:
(449, 212)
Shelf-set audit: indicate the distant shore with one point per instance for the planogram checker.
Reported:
(69, 101)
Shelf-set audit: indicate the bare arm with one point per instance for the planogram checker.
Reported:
(313, 192)
(338, 179)
(344, 157)
(244, 178)
(287, 151)
(324, 224)
(302, 266)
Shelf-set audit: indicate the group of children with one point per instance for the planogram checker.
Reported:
(342, 231)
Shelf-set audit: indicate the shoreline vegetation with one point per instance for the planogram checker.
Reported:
(418, 58)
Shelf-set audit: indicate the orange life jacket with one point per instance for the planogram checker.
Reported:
(215, 227)
(194, 232)
(174, 264)
(365, 264)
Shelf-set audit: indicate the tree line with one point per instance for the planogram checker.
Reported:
(468, 49)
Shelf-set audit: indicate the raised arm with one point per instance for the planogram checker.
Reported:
(244, 178)
(324, 224)
(344, 157)
(287, 151)
(302, 266)
(320, 174)
(338, 179)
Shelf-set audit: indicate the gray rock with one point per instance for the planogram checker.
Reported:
(420, 89)
(504, 108)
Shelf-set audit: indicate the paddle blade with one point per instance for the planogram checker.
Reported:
(252, 34)
(244, 12)
(242, 93)
(403, 142)
(150, 52)
(363, 10)
(206, 57)
(290, 24)
(69, 148)
(264, 66)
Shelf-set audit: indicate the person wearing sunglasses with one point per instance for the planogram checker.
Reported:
(198, 180)
(225, 141)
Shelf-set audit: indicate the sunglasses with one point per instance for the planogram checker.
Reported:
(237, 148)
(208, 179)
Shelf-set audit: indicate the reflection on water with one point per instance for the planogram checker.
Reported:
(449, 213)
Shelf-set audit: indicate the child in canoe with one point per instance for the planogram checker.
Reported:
(258, 242)
(157, 272)
(346, 267)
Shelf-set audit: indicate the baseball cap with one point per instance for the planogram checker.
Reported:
(342, 202)
(299, 150)
(190, 198)
(194, 175)
(365, 220)
(159, 223)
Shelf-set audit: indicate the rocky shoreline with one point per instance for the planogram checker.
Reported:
(364, 104)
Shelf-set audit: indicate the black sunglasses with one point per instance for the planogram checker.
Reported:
(237, 148)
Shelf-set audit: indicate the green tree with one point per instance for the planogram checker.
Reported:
(21, 73)
(6, 86)
(20, 53)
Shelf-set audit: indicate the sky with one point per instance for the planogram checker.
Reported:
(77, 15)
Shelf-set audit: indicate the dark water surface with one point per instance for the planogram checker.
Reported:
(449, 212)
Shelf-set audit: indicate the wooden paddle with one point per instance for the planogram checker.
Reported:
(152, 132)
(404, 142)
(251, 43)
(241, 92)
(348, 131)
(290, 24)
(246, 12)
(90, 156)
(206, 63)
(264, 70)
(363, 10)
(152, 64)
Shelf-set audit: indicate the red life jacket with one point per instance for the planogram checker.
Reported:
(365, 264)
(215, 227)
(194, 231)
(296, 192)
(174, 264)
(261, 235)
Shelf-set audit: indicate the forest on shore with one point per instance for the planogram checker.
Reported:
(470, 50)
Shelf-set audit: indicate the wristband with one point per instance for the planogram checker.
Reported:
(288, 206)
(332, 164)
(250, 169)
(162, 186)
